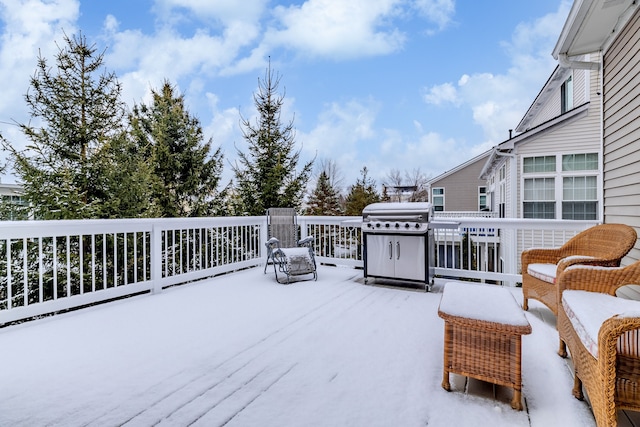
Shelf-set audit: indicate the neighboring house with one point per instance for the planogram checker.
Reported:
(460, 191)
(11, 195)
(613, 29)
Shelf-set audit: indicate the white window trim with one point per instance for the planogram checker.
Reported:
(439, 195)
(559, 176)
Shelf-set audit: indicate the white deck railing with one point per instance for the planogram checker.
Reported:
(52, 266)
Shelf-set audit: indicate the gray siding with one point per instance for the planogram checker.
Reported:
(621, 131)
(461, 187)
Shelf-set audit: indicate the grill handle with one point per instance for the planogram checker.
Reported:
(418, 218)
(390, 250)
(398, 250)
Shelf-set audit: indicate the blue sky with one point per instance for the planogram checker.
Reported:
(387, 84)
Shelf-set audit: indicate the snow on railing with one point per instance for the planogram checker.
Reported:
(53, 266)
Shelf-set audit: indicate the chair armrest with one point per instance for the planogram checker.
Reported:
(272, 243)
(598, 278)
(307, 241)
(582, 260)
(608, 336)
(541, 256)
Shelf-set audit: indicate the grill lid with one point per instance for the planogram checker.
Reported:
(411, 217)
(410, 211)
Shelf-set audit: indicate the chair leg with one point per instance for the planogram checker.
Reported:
(269, 257)
(577, 387)
(562, 349)
(525, 304)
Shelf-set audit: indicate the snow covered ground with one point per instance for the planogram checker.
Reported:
(242, 350)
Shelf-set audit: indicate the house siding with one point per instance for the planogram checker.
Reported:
(621, 131)
(583, 80)
(461, 187)
(548, 112)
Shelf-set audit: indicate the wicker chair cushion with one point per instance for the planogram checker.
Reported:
(544, 272)
(588, 310)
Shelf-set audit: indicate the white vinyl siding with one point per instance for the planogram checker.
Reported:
(581, 93)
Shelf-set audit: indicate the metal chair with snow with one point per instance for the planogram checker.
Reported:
(289, 256)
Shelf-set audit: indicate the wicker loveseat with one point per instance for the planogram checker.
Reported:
(604, 244)
(602, 333)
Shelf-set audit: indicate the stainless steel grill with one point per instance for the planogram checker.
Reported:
(398, 242)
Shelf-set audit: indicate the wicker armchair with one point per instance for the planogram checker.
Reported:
(603, 335)
(604, 245)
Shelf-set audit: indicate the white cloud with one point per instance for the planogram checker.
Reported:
(430, 152)
(29, 28)
(349, 134)
(338, 29)
(498, 101)
(441, 94)
(225, 11)
(341, 133)
(439, 12)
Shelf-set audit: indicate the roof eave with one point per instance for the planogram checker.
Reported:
(590, 25)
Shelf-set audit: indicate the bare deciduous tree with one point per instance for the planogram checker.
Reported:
(410, 186)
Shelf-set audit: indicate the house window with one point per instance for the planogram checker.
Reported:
(566, 95)
(580, 162)
(580, 193)
(437, 199)
(483, 202)
(539, 164)
(539, 198)
(579, 197)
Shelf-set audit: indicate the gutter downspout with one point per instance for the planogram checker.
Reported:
(511, 259)
(513, 172)
(565, 62)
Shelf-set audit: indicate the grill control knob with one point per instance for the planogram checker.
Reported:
(406, 225)
(397, 225)
(377, 224)
(387, 225)
(417, 225)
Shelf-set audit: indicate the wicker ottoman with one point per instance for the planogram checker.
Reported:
(483, 328)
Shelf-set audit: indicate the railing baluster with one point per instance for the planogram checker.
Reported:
(25, 275)
(9, 277)
(68, 287)
(40, 272)
(81, 262)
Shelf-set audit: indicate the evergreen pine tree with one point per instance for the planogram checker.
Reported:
(361, 194)
(267, 175)
(324, 200)
(65, 167)
(186, 174)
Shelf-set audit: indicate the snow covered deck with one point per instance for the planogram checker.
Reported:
(243, 350)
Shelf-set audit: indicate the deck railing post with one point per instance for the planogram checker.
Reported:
(264, 236)
(156, 258)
